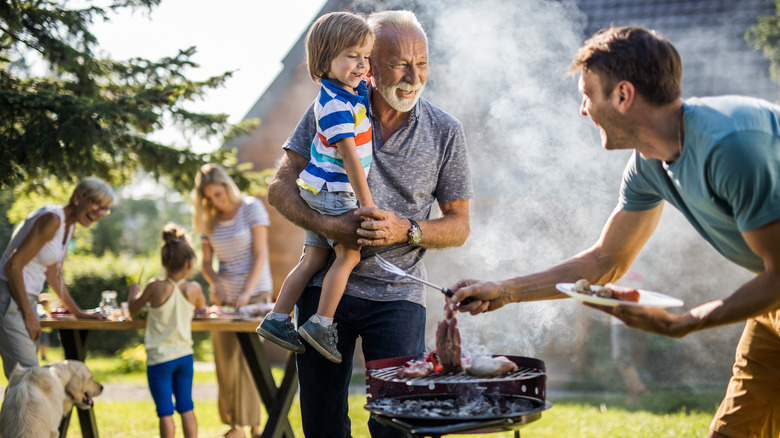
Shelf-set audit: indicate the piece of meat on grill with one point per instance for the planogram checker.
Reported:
(415, 368)
(448, 342)
(487, 366)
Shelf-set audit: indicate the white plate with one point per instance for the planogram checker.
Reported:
(646, 298)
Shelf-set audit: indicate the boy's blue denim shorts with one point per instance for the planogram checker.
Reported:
(330, 203)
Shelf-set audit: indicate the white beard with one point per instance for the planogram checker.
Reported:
(392, 99)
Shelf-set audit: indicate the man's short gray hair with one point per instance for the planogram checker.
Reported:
(395, 20)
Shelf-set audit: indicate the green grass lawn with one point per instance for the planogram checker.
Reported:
(659, 413)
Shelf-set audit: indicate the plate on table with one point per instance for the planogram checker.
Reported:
(646, 298)
(222, 317)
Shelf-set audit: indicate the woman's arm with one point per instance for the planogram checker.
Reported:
(207, 268)
(43, 230)
(259, 256)
(56, 282)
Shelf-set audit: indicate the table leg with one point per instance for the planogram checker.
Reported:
(74, 345)
(277, 401)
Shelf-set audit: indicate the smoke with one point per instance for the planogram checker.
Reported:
(544, 186)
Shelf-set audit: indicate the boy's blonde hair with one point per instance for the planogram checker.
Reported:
(204, 215)
(329, 35)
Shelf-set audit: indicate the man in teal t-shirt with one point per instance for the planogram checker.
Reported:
(725, 180)
(715, 159)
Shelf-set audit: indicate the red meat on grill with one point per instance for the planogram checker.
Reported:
(448, 342)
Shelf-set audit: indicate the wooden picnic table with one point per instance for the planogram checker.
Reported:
(74, 334)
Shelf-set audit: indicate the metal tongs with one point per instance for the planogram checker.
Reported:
(389, 267)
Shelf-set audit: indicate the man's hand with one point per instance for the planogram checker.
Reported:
(33, 327)
(342, 228)
(651, 319)
(488, 295)
(380, 227)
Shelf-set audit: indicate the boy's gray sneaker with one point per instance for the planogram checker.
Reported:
(281, 333)
(323, 339)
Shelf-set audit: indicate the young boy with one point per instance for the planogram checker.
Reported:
(334, 182)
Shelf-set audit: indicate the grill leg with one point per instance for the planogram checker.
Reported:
(517, 433)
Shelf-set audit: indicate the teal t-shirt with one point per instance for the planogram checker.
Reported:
(725, 181)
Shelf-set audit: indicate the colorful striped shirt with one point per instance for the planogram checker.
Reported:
(340, 114)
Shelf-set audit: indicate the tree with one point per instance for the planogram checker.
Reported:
(66, 113)
(765, 36)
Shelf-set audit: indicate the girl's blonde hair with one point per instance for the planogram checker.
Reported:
(204, 215)
(176, 249)
(329, 35)
(93, 189)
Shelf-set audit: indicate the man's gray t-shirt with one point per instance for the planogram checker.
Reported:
(425, 162)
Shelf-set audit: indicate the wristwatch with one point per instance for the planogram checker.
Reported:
(414, 233)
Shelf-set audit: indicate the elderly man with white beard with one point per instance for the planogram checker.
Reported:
(419, 158)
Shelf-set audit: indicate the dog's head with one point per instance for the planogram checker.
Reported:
(80, 387)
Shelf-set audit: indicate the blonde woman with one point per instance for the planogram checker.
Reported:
(234, 229)
(35, 255)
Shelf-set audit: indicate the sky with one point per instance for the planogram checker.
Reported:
(250, 37)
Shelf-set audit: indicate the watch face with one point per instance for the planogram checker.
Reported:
(415, 234)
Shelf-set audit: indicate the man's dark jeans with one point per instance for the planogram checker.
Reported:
(388, 329)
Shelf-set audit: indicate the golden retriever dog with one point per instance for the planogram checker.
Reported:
(37, 398)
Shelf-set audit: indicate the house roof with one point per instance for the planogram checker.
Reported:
(709, 34)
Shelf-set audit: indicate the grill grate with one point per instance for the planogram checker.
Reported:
(390, 374)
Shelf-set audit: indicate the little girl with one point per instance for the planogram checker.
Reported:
(168, 338)
(338, 46)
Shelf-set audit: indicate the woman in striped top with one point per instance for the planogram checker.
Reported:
(233, 228)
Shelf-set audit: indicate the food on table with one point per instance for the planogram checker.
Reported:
(217, 311)
(487, 366)
(607, 291)
(61, 313)
(257, 310)
(448, 342)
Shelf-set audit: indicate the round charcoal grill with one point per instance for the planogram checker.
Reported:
(446, 403)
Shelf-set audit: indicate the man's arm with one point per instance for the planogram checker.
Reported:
(383, 227)
(756, 297)
(283, 195)
(622, 237)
